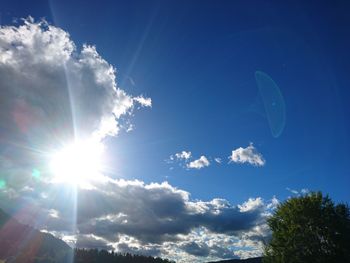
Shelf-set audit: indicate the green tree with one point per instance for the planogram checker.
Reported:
(310, 228)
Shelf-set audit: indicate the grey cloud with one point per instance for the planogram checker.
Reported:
(195, 249)
(222, 252)
(158, 213)
(153, 215)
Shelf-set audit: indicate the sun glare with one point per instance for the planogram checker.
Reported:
(77, 163)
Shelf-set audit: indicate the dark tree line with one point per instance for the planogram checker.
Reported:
(88, 256)
(97, 256)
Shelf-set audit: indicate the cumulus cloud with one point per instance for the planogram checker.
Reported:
(251, 204)
(184, 159)
(154, 218)
(199, 163)
(52, 92)
(247, 155)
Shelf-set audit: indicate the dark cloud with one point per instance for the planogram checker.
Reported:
(157, 213)
(150, 216)
(195, 249)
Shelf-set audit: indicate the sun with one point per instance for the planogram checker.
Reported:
(78, 163)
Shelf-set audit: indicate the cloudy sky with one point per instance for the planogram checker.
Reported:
(170, 128)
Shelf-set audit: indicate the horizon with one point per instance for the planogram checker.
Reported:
(170, 129)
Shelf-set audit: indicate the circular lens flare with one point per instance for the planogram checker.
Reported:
(77, 163)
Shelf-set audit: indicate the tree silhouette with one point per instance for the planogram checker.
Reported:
(103, 256)
(309, 228)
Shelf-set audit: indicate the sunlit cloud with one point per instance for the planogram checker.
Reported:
(248, 155)
(199, 163)
(145, 102)
(54, 94)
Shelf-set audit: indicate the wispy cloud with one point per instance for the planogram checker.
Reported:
(247, 155)
(218, 160)
(303, 191)
(199, 163)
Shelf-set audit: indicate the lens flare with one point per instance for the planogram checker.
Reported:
(2, 184)
(36, 173)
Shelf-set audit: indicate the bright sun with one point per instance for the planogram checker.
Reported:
(77, 163)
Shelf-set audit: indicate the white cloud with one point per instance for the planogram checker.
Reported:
(185, 160)
(145, 102)
(247, 155)
(52, 92)
(45, 79)
(199, 163)
(251, 204)
(183, 155)
(274, 203)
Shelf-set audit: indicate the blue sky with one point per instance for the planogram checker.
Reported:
(197, 62)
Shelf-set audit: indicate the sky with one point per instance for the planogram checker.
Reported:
(209, 114)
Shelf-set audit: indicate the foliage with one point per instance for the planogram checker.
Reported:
(310, 228)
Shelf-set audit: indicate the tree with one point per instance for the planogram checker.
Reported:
(310, 228)
(97, 256)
